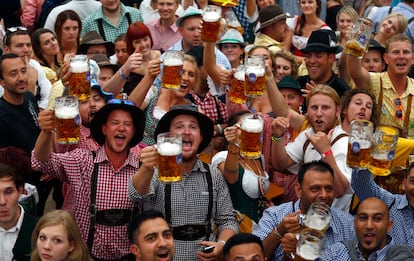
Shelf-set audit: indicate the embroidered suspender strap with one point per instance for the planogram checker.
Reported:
(380, 96)
(92, 206)
(407, 115)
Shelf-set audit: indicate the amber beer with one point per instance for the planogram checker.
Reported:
(210, 30)
(251, 136)
(170, 167)
(173, 65)
(255, 76)
(353, 47)
(359, 37)
(383, 150)
(78, 82)
(67, 120)
(236, 93)
(359, 144)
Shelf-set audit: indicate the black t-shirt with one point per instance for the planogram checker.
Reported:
(18, 123)
(339, 85)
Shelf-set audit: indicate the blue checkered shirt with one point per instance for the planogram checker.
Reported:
(401, 212)
(90, 23)
(340, 252)
(340, 228)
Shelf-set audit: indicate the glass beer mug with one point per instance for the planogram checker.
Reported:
(173, 66)
(255, 76)
(170, 165)
(67, 120)
(359, 144)
(251, 136)
(210, 30)
(236, 91)
(383, 148)
(359, 37)
(79, 81)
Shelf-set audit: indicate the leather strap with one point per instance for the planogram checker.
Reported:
(92, 206)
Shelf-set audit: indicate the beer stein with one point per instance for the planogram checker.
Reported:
(255, 76)
(67, 120)
(358, 42)
(170, 165)
(210, 30)
(173, 66)
(236, 92)
(383, 150)
(251, 136)
(308, 247)
(79, 81)
(359, 144)
(317, 218)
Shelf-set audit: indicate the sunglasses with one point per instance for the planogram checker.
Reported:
(398, 106)
(11, 30)
(121, 101)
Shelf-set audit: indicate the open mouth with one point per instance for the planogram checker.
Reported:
(120, 139)
(183, 86)
(187, 144)
(369, 237)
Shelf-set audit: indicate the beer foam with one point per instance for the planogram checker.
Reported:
(258, 71)
(173, 62)
(239, 75)
(79, 67)
(308, 251)
(169, 149)
(317, 222)
(211, 17)
(252, 125)
(66, 113)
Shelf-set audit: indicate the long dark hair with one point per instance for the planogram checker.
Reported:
(37, 46)
(303, 18)
(61, 19)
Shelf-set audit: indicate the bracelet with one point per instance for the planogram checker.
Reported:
(220, 130)
(277, 234)
(277, 139)
(326, 154)
(222, 242)
(123, 76)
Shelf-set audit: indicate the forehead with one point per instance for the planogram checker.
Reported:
(166, 1)
(361, 96)
(184, 119)
(153, 225)
(315, 177)
(344, 16)
(6, 182)
(20, 38)
(372, 206)
(45, 36)
(191, 21)
(321, 99)
(70, 22)
(54, 230)
(12, 64)
(373, 53)
(117, 114)
(261, 51)
(400, 45)
(281, 60)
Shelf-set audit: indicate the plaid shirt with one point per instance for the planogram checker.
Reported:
(209, 107)
(189, 205)
(340, 228)
(90, 23)
(76, 167)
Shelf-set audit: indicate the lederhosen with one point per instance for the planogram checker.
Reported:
(191, 232)
(107, 217)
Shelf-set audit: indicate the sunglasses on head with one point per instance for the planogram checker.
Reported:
(398, 105)
(15, 29)
(121, 101)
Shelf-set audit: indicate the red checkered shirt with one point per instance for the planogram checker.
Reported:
(209, 107)
(76, 167)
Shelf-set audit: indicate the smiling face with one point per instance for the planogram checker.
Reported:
(319, 65)
(372, 223)
(143, 45)
(399, 58)
(49, 44)
(389, 27)
(53, 243)
(232, 51)
(322, 113)
(282, 68)
(308, 6)
(345, 23)
(89, 107)
(118, 130)
(189, 128)
(154, 241)
(14, 77)
(167, 9)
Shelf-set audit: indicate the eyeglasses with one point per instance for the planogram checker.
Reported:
(398, 105)
(121, 101)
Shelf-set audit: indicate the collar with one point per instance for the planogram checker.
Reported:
(18, 225)
(198, 167)
(173, 26)
(85, 131)
(379, 252)
(387, 84)
(403, 203)
(100, 13)
(269, 39)
(101, 156)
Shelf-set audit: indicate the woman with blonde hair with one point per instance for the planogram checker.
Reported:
(284, 64)
(57, 237)
(345, 19)
(394, 23)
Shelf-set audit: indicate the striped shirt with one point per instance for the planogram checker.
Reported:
(76, 168)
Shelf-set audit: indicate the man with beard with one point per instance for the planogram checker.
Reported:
(200, 202)
(324, 140)
(151, 237)
(372, 224)
(279, 224)
(393, 88)
(98, 180)
(111, 20)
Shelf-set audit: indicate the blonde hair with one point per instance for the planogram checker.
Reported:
(348, 10)
(191, 59)
(328, 91)
(288, 56)
(80, 251)
(402, 21)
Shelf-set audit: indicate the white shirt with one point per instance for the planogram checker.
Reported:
(8, 238)
(44, 83)
(82, 7)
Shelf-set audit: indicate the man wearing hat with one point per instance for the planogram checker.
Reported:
(106, 68)
(111, 20)
(319, 57)
(198, 203)
(93, 43)
(98, 180)
(272, 28)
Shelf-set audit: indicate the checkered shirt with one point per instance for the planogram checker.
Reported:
(76, 167)
(209, 107)
(340, 228)
(189, 205)
(90, 23)
(239, 10)
(401, 212)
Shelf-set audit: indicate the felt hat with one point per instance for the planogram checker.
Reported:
(190, 11)
(96, 86)
(322, 40)
(103, 61)
(269, 15)
(288, 82)
(94, 38)
(232, 36)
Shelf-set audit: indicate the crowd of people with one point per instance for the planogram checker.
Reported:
(109, 200)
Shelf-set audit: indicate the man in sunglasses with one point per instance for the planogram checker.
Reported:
(393, 88)
(18, 41)
(99, 179)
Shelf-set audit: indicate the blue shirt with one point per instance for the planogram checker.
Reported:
(340, 228)
(401, 212)
(339, 251)
(401, 8)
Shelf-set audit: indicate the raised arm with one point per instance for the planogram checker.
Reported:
(210, 64)
(142, 178)
(280, 159)
(44, 142)
(359, 74)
